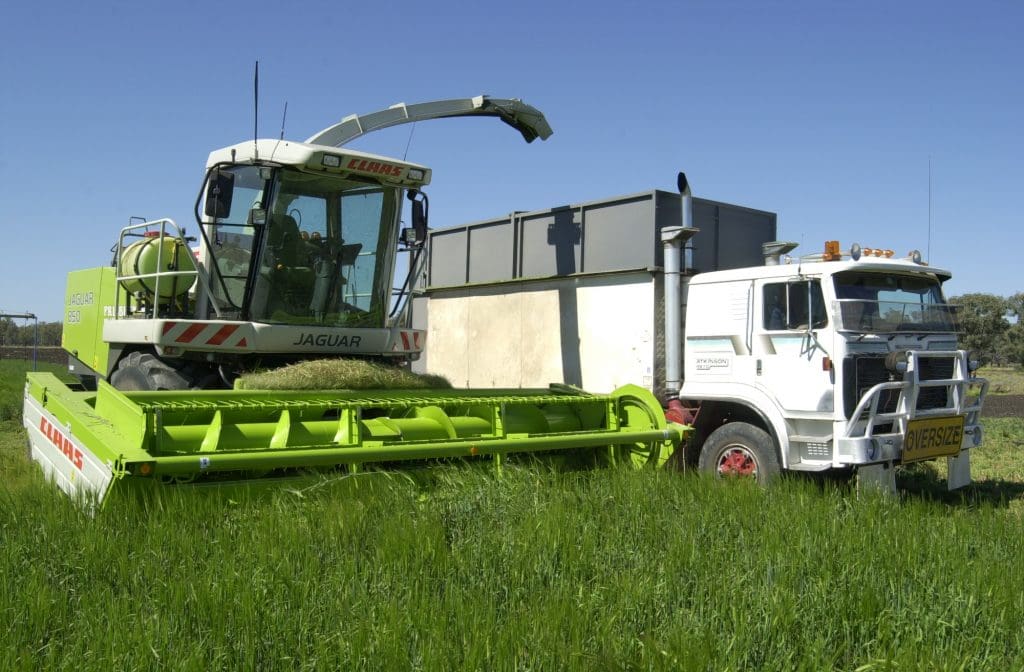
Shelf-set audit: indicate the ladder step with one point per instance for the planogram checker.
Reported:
(808, 438)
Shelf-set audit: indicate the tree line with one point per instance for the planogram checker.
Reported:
(991, 327)
(22, 332)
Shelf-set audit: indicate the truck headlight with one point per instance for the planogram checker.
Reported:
(896, 362)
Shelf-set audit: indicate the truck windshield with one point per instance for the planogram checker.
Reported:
(877, 302)
(326, 256)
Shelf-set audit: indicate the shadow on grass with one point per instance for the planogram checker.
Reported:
(924, 481)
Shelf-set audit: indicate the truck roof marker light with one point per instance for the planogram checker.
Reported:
(888, 254)
(832, 252)
(855, 251)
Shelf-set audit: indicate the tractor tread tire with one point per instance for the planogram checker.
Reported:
(142, 371)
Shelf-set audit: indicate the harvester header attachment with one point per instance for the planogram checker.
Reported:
(88, 442)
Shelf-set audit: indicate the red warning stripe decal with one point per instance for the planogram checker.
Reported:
(412, 341)
(200, 334)
(222, 334)
(190, 333)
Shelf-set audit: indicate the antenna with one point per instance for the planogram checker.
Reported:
(928, 253)
(412, 129)
(256, 111)
(283, 117)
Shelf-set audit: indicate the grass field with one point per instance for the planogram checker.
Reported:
(1003, 380)
(454, 568)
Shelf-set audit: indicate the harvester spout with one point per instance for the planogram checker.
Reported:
(526, 119)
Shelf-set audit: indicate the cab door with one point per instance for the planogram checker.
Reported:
(790, 345)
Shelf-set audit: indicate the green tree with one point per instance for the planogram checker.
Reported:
(8, 332)
(26, 334)
(50, 332)
(1015, 305)
(983, 325)
(1012, 344)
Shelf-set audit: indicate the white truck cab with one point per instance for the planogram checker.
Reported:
(828, 362)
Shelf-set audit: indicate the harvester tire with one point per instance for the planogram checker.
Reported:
(738, 450)
(142, 371)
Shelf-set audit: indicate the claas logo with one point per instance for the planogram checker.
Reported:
(62, 443)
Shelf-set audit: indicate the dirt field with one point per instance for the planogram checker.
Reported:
(1004, 406)
(54, 355)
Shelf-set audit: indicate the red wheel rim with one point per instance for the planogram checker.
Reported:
(737, 461)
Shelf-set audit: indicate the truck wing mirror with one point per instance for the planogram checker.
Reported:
(219, 189)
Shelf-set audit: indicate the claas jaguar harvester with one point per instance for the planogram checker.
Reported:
(293, 258)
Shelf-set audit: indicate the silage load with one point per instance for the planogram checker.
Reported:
(339, 374)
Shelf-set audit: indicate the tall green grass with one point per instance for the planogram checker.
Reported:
(453, 568)
(12, 384)
(459, 569)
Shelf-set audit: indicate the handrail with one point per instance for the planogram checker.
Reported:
(164, 223)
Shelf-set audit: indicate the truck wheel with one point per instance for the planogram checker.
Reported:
(141, 371)
(739, 449)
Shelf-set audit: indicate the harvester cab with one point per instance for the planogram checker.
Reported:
(294, 259)
(305, 237)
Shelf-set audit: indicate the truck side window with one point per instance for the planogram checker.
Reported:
(785, 305)
(774, 306)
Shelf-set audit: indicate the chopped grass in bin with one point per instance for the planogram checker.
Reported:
(340, 374)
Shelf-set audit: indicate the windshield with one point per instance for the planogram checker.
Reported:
(325, 253)
(873, 302)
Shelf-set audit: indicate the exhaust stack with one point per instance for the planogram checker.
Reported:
(773, 251)
(674, 239)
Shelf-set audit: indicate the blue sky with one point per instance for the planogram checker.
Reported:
(824, 112)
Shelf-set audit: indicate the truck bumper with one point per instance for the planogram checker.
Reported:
(883, 431)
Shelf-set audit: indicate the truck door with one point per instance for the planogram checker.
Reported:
(791, 344)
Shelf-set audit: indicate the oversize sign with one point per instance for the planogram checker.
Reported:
(932, 437)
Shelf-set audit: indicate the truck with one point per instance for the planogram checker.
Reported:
(831, 361)
(293, 257)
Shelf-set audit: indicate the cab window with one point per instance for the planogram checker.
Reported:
(792, 306)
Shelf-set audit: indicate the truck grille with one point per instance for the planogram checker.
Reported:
(861, 372)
